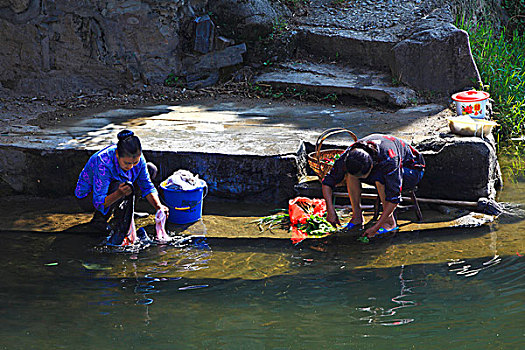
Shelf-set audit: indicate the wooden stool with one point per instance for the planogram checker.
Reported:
(401, 206)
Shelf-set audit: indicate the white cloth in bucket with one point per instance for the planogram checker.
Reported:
(160, 223)
(183, 179)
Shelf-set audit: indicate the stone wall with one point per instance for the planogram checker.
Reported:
(62, 47)
(49, 47)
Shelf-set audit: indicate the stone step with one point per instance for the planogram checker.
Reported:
(346, 46)
(334, 79)
(359, 33)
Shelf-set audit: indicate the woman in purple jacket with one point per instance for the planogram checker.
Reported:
(110, 177)
(386, 162)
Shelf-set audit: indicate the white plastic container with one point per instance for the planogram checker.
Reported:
(471, 103)
(467, 126)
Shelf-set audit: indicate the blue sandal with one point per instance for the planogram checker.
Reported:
(383, 231)
(351, 225)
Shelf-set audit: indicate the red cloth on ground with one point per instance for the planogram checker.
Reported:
(299, 216)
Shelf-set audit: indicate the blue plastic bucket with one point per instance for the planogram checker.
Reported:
(185, 205)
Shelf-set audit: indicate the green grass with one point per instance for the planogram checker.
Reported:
(512, 161)
(500, 57)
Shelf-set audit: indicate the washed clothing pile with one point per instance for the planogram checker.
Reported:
(183, 180)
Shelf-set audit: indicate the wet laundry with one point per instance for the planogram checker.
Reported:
(183, 180)
(160, 227)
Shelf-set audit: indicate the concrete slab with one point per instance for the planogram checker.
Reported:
(252, 150)
(335, 79)
(263, 128)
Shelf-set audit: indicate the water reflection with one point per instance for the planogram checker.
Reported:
(313, 300)
(462, 268)
(378, 313)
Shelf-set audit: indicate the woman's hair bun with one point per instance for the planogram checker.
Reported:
(124, 134)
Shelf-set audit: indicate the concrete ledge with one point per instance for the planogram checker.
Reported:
(247, 178)
(254, 151)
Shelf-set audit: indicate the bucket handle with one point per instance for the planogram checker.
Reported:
(191, 207)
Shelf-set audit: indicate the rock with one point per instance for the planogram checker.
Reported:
(74, 46)
(248, 19)
(17, 6)
(19, 11)
(332, 79)
(459, 168)
(221, 42)
(202, 79)
(230, 56)
(436, 57)
(61, 47)
(204, 34)
(353, 48)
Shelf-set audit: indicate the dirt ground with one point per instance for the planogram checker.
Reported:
(44, 111)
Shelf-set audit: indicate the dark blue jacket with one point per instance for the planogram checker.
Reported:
(394, 155)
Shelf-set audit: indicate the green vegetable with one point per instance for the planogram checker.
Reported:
(269, 222)
(363, 239)
(316, 226)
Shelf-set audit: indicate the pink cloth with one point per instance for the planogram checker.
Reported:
(160, 222)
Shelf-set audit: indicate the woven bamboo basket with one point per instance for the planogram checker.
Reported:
(321, 160)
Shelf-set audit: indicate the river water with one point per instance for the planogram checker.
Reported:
(58, 292)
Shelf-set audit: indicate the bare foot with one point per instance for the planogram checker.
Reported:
(357, 220)
(390, 223)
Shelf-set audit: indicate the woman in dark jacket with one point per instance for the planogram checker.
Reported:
(384, 161)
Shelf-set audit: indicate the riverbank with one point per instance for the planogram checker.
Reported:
(247, 149)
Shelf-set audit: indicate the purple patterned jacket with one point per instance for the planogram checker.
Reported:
(102, 168)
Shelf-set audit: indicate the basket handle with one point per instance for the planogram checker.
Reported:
(324, 135)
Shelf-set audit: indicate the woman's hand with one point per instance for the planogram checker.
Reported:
(155, 202)
(331, 217)
(124, 189)
(164, 208)
(371, 231)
